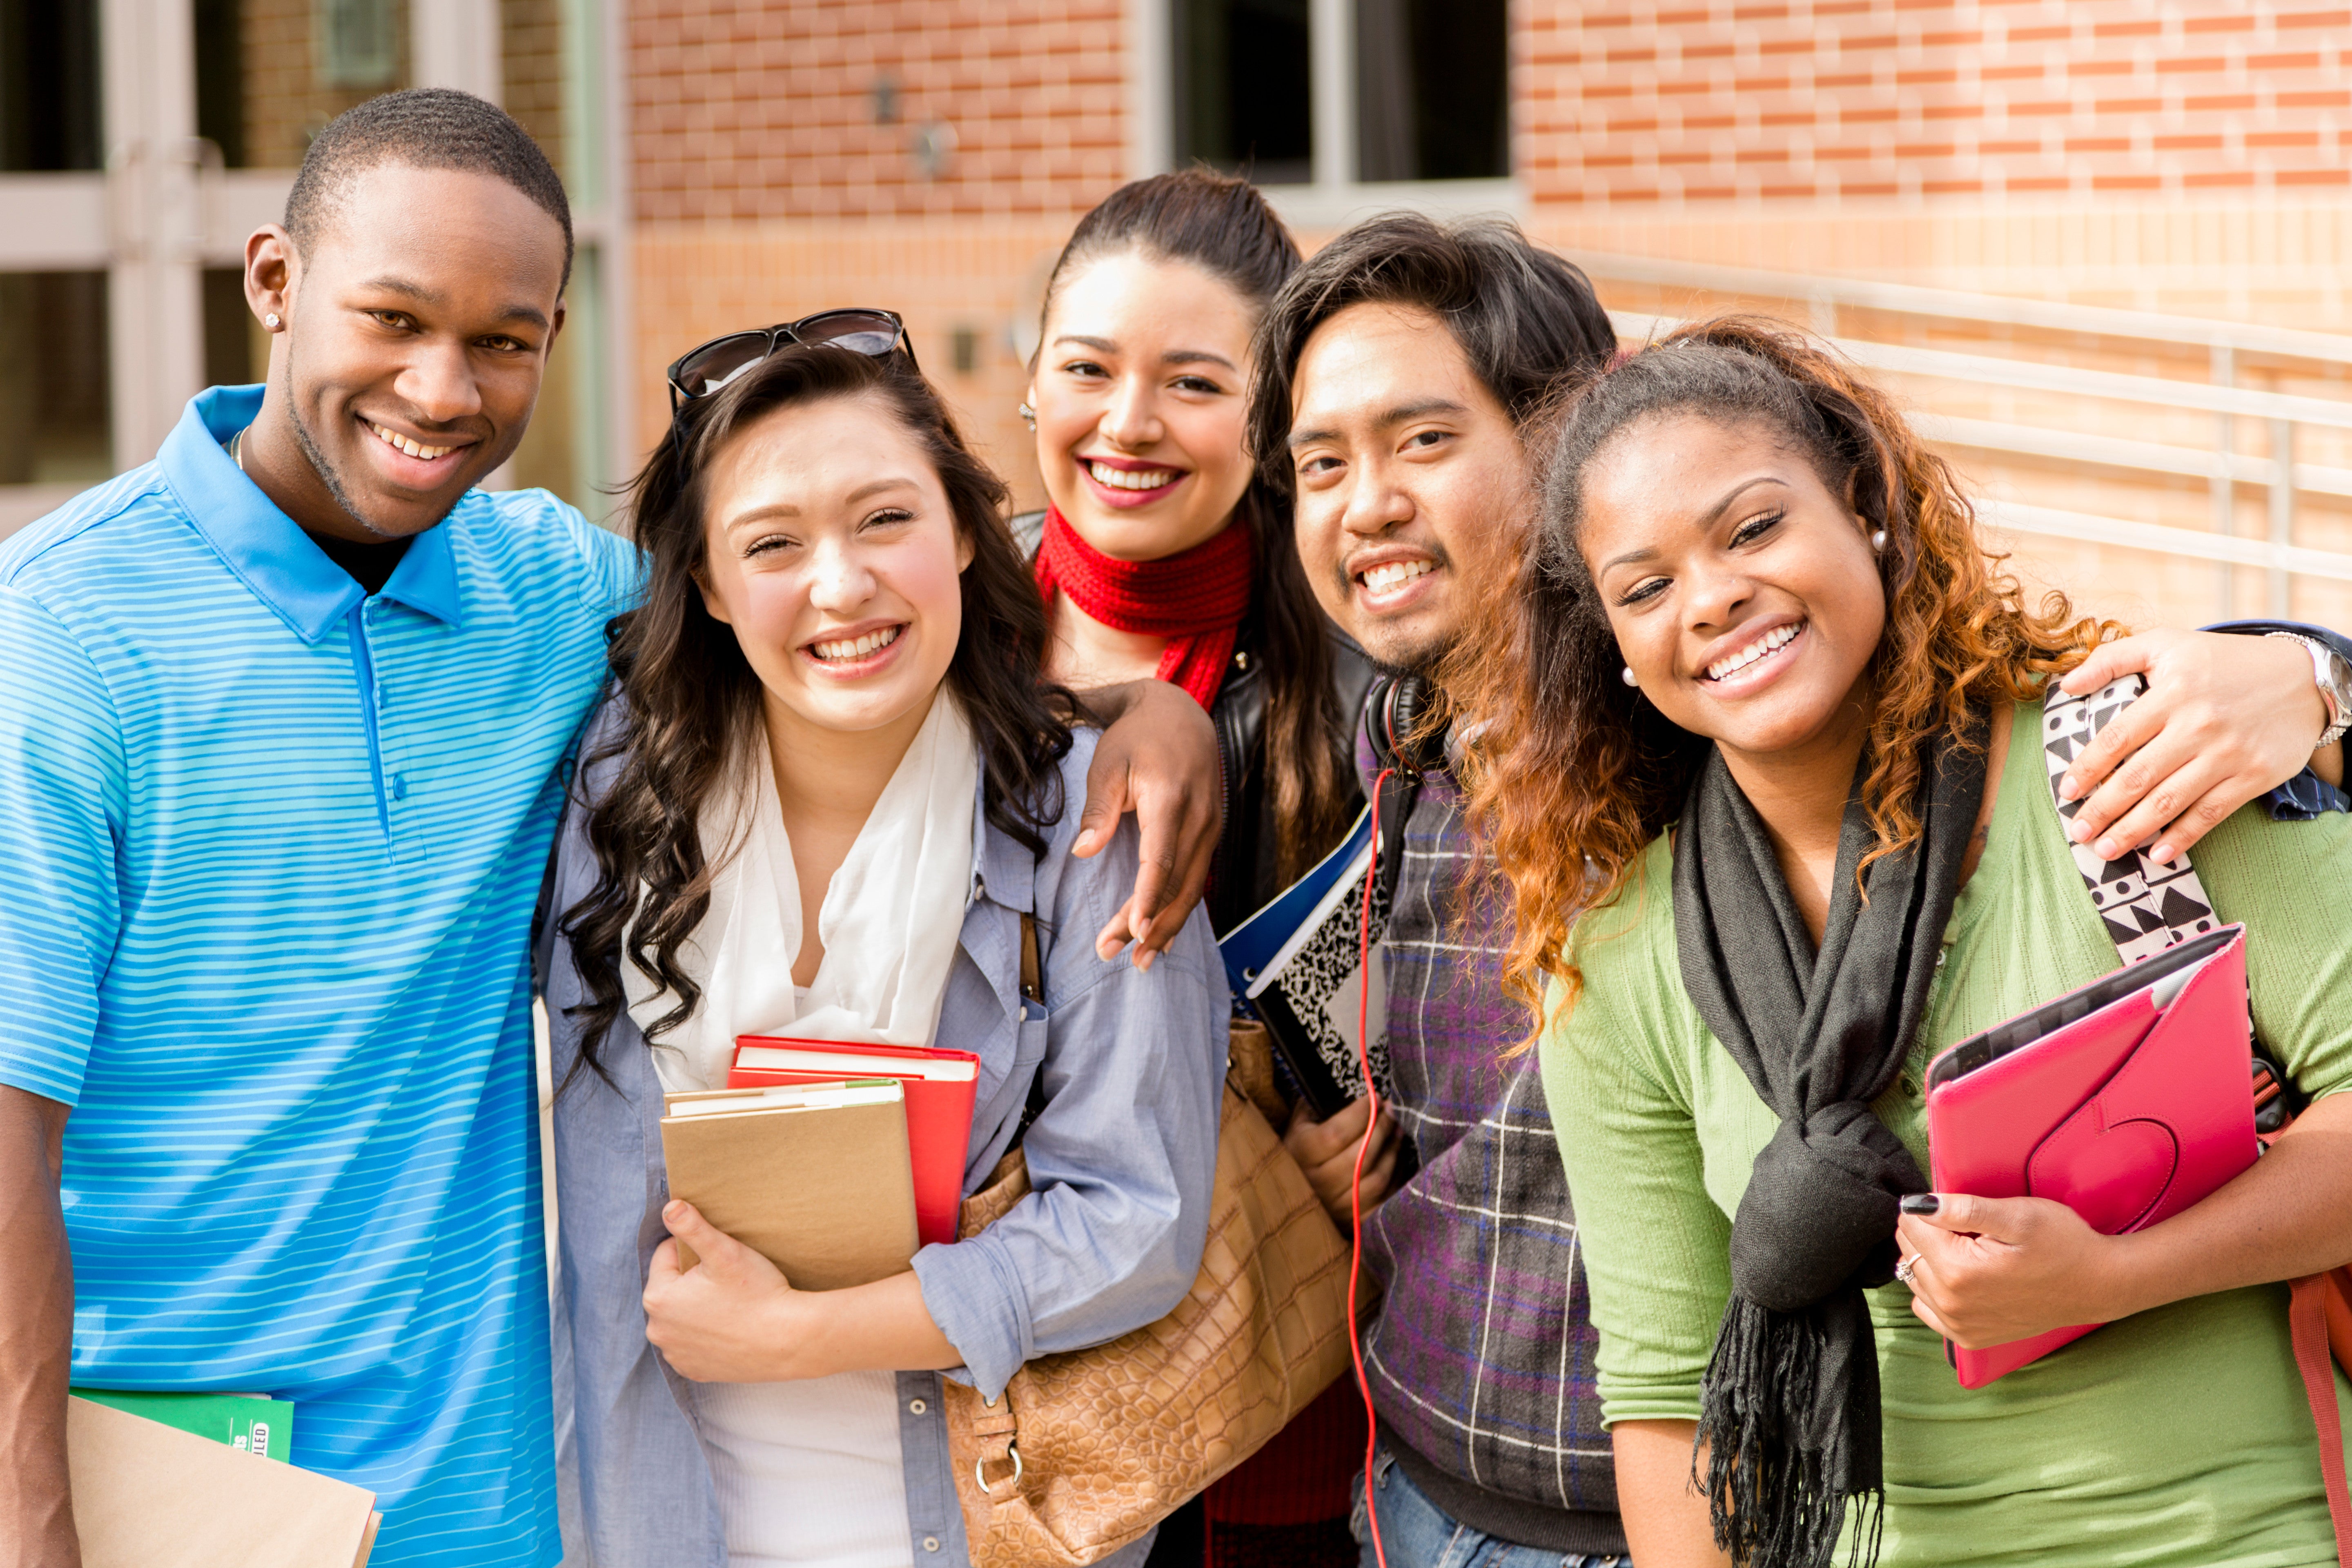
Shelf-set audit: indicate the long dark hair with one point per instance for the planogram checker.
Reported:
(689, 701)
(1220, 225)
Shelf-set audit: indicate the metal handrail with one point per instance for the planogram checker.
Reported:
(2231, 548)
(2120, 452)
(1951, 304)
(1993, 370)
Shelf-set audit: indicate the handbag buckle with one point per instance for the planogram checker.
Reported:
(978, 1470)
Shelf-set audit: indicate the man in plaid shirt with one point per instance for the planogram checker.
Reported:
(1411, 353)
(1397, 372)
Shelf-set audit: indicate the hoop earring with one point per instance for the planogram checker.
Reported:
(1628, 676)
(1878, 543)
(270, 321)
(1028, 416)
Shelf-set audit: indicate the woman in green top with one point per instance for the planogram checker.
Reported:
(1833, 699)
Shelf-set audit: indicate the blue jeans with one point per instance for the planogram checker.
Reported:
(1419, 1534)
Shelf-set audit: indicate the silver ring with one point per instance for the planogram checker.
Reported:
(1904, 1265)
(979, 1465)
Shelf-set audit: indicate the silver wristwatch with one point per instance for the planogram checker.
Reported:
(2332, 673)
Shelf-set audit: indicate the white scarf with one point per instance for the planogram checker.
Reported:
(890, 922)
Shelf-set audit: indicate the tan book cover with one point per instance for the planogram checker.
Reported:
(820, 1188)
(150, 1495)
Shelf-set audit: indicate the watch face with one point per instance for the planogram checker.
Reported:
(2335, 685)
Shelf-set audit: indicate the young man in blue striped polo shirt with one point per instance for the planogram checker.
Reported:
(281, 753)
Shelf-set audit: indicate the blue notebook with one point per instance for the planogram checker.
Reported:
(1298, 966)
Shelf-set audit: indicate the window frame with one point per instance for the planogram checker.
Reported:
(1335, 196)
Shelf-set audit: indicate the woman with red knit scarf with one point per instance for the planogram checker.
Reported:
(1154, 560)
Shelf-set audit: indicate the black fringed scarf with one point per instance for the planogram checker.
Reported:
(1790, 1403)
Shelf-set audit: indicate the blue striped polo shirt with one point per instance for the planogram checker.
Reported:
(273, 852)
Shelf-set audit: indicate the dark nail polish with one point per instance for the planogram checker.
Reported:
(1921, 1203)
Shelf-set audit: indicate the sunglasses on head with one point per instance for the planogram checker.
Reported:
(700, 371)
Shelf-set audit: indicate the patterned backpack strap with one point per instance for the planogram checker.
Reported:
(2147, 906)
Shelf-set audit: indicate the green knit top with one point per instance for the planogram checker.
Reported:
(2177, 1436)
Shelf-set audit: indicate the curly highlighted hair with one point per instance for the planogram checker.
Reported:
(1572, 773)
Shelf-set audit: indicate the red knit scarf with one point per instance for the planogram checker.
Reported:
(1195, 599)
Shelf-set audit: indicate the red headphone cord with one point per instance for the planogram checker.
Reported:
(1356, 1181)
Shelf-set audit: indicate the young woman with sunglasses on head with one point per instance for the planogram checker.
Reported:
(828, 791)
(1160, 556)
(1767, 726)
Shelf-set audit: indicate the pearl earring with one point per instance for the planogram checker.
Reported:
(1628, 676)
(1878, 543)
(270, 321)
(1028, 416)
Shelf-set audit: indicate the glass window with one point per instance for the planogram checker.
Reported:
(1433, 91)
(271, 73)
(49, 85)
(1242, 100)
(53, 379)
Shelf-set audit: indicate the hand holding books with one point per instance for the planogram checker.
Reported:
(751, 1229)
(736, 1318)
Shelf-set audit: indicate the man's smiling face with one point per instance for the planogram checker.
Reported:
(1410, 480)
(418, 325)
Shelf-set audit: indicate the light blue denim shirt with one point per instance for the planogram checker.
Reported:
(1123, 1158)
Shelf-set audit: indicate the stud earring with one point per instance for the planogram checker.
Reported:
(1028, 416)
(271, 322)
(1878, 543)
(1628, 676)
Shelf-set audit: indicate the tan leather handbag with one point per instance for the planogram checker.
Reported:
(1086, 1451)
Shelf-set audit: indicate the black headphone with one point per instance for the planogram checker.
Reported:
(1393, 709)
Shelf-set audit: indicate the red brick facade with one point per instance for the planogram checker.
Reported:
(1669, 101)
(746, 111)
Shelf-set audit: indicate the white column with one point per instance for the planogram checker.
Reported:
(1331, 75)
(455, 43)
(1151, 62)
(154, 289)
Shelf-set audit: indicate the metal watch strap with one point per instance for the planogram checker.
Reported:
(2335, 686)
(2147, 906)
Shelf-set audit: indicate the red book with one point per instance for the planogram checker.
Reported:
(940, 1088)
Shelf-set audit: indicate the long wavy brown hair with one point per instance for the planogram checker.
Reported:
(689, 703)
(1572, 773)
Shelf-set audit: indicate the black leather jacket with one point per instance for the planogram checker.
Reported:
(1246, 872)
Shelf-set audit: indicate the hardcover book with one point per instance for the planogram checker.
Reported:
(814, 1177)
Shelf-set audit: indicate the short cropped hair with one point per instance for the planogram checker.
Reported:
(1528, 319)
(424, 127)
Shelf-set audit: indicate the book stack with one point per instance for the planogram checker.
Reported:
(167, 1487)
(834, 1162)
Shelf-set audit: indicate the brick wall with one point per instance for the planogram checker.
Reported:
(744, 110)
(1665, 100)
(286, 103)
(531, 62)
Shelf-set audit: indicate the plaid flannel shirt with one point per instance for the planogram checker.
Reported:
(1481, 1361)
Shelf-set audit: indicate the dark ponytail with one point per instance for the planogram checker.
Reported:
(1223, 225)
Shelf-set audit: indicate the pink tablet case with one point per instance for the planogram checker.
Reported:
(2125, 1115)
